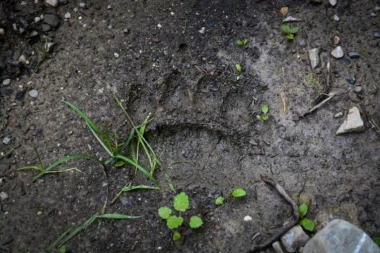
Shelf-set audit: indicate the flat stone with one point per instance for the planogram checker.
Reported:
(291, 19)
(7, 140)
(337, 52)
(7, 82)
(336, 40)
(340, 236)
(351, 80)
(33, 93)
(53, 3)
(302, 43)
(314, 57)
(353, 55)
(358, 89)
(294, 239)
(353, 122)
(332, 2)
(277, 247)
(3, 196)
(51, 20)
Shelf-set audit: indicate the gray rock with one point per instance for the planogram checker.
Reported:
(45, 27)
(7, 140)
(336, 40)
(314, 57)
(277, 247)
(51, 20)
(3, 196)
(337, 52)
(338, 115)
(353, 55)
(353, 122)
(351, 80)
(7, 82)
(33, 93)
(376, 34)
(340, 236)
(294, 239)
(302, 43)
(53, 3)
(332, 2)
(358, 89)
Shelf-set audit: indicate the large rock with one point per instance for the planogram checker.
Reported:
(345, 211)
(340, 236)
(353, 122)
(294, 239)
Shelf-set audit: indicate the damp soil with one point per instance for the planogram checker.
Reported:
(176, 61)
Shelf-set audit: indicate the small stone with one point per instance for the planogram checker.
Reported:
(347, 61)
(341, 236)
(302, 43)
(294, 239)
(332, 2)
(353, 55)
(284, 11)
(291, 19)
(116, 55)
(7, 82)
(53, 3)
(338, 115)
(373, 89)
(2, 32)
(337, 52)
(45, 27)
(202, 30)
(336, 18)
(277, 247)
(109, 7)
(51, 20)
(7, 140)
(336, 40)
(37, 19)
(33, 93)
(49, 46)
(358, 89)
(3, 196)
(351, 80)
(353, 123)
(247, 218)
(67, 15)
(22, 59)
(373, 14)
(82, 5)
(314, 57)
(376, 34)
(76, 9)
(377, 8)
(126, 31)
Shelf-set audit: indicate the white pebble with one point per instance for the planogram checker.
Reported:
(22, 59)
(7, 82)
(159, 26)
(6, 140)
(202, 30)
(37, 19)
(3, 196)
(247, 218)
(336, 18)
(33, 93)
(67, 15)
(116, 55)
(337, 52)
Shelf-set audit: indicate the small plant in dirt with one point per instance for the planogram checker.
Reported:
(290, 32)
(238, 70)
(264, 116)
(242, 43)
(238, 193)
(180, 204)
(219, 201)
(306, 223)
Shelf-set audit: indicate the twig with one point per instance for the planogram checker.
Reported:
(330, 96)
(371, 121)
(285, 228)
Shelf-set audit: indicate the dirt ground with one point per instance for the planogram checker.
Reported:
(176, 59)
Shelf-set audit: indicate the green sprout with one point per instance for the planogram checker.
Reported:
(238, 70)
(290, 32)
(243, 43)
(264, 116)
(219, 201)
(238, 193)
(305, 222)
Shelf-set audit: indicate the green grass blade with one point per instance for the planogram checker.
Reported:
(63, 160)
(31, 167)
(100, 141)
(38, 157)
(145, 187)
(55, 243)
(138, 167)
(171, 186)
(117, 216)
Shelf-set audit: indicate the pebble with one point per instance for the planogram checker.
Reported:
(302, 43)
(338, 115)
(53, 3)
(337, 52)
(314, 57)
(247, 218)
(7, 140)
(3, 196)
(51, 20)
(376, 34)
(336, 40)
(341, 236)
(37, 19)
(33, 93)
(291, 19)
(332, 2)
(351, 80)
(45, 27)
(347, 61)
(7, 82)
(277, 247)
(22, 59)
(336, 18)
(67, 15)
(358, 89)
(116, 55)
(82, 5)
(353, 55)
(202, 30)
(353, 123)
(294, 239)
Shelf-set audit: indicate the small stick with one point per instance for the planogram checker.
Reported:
(285, 228)
(330, 96)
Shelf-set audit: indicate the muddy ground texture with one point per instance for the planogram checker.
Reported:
(176, 60)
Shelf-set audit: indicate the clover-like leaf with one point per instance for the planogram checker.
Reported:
(164, 212)
(181, 202)
(294, 30)
(302, 210)
(238, 192)
(265, 117)
(286, 28)
(219, 201)
(290, 36)
(174, 222)
(265, 109)
(238, 68)
(307, 224)
(195, 222)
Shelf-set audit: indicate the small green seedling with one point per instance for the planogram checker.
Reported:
(238, 193)
(305, 222)
(219, 201)
(180, 204)
(238, 70)
(290, 32)
(243, 43)
(264, 116)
